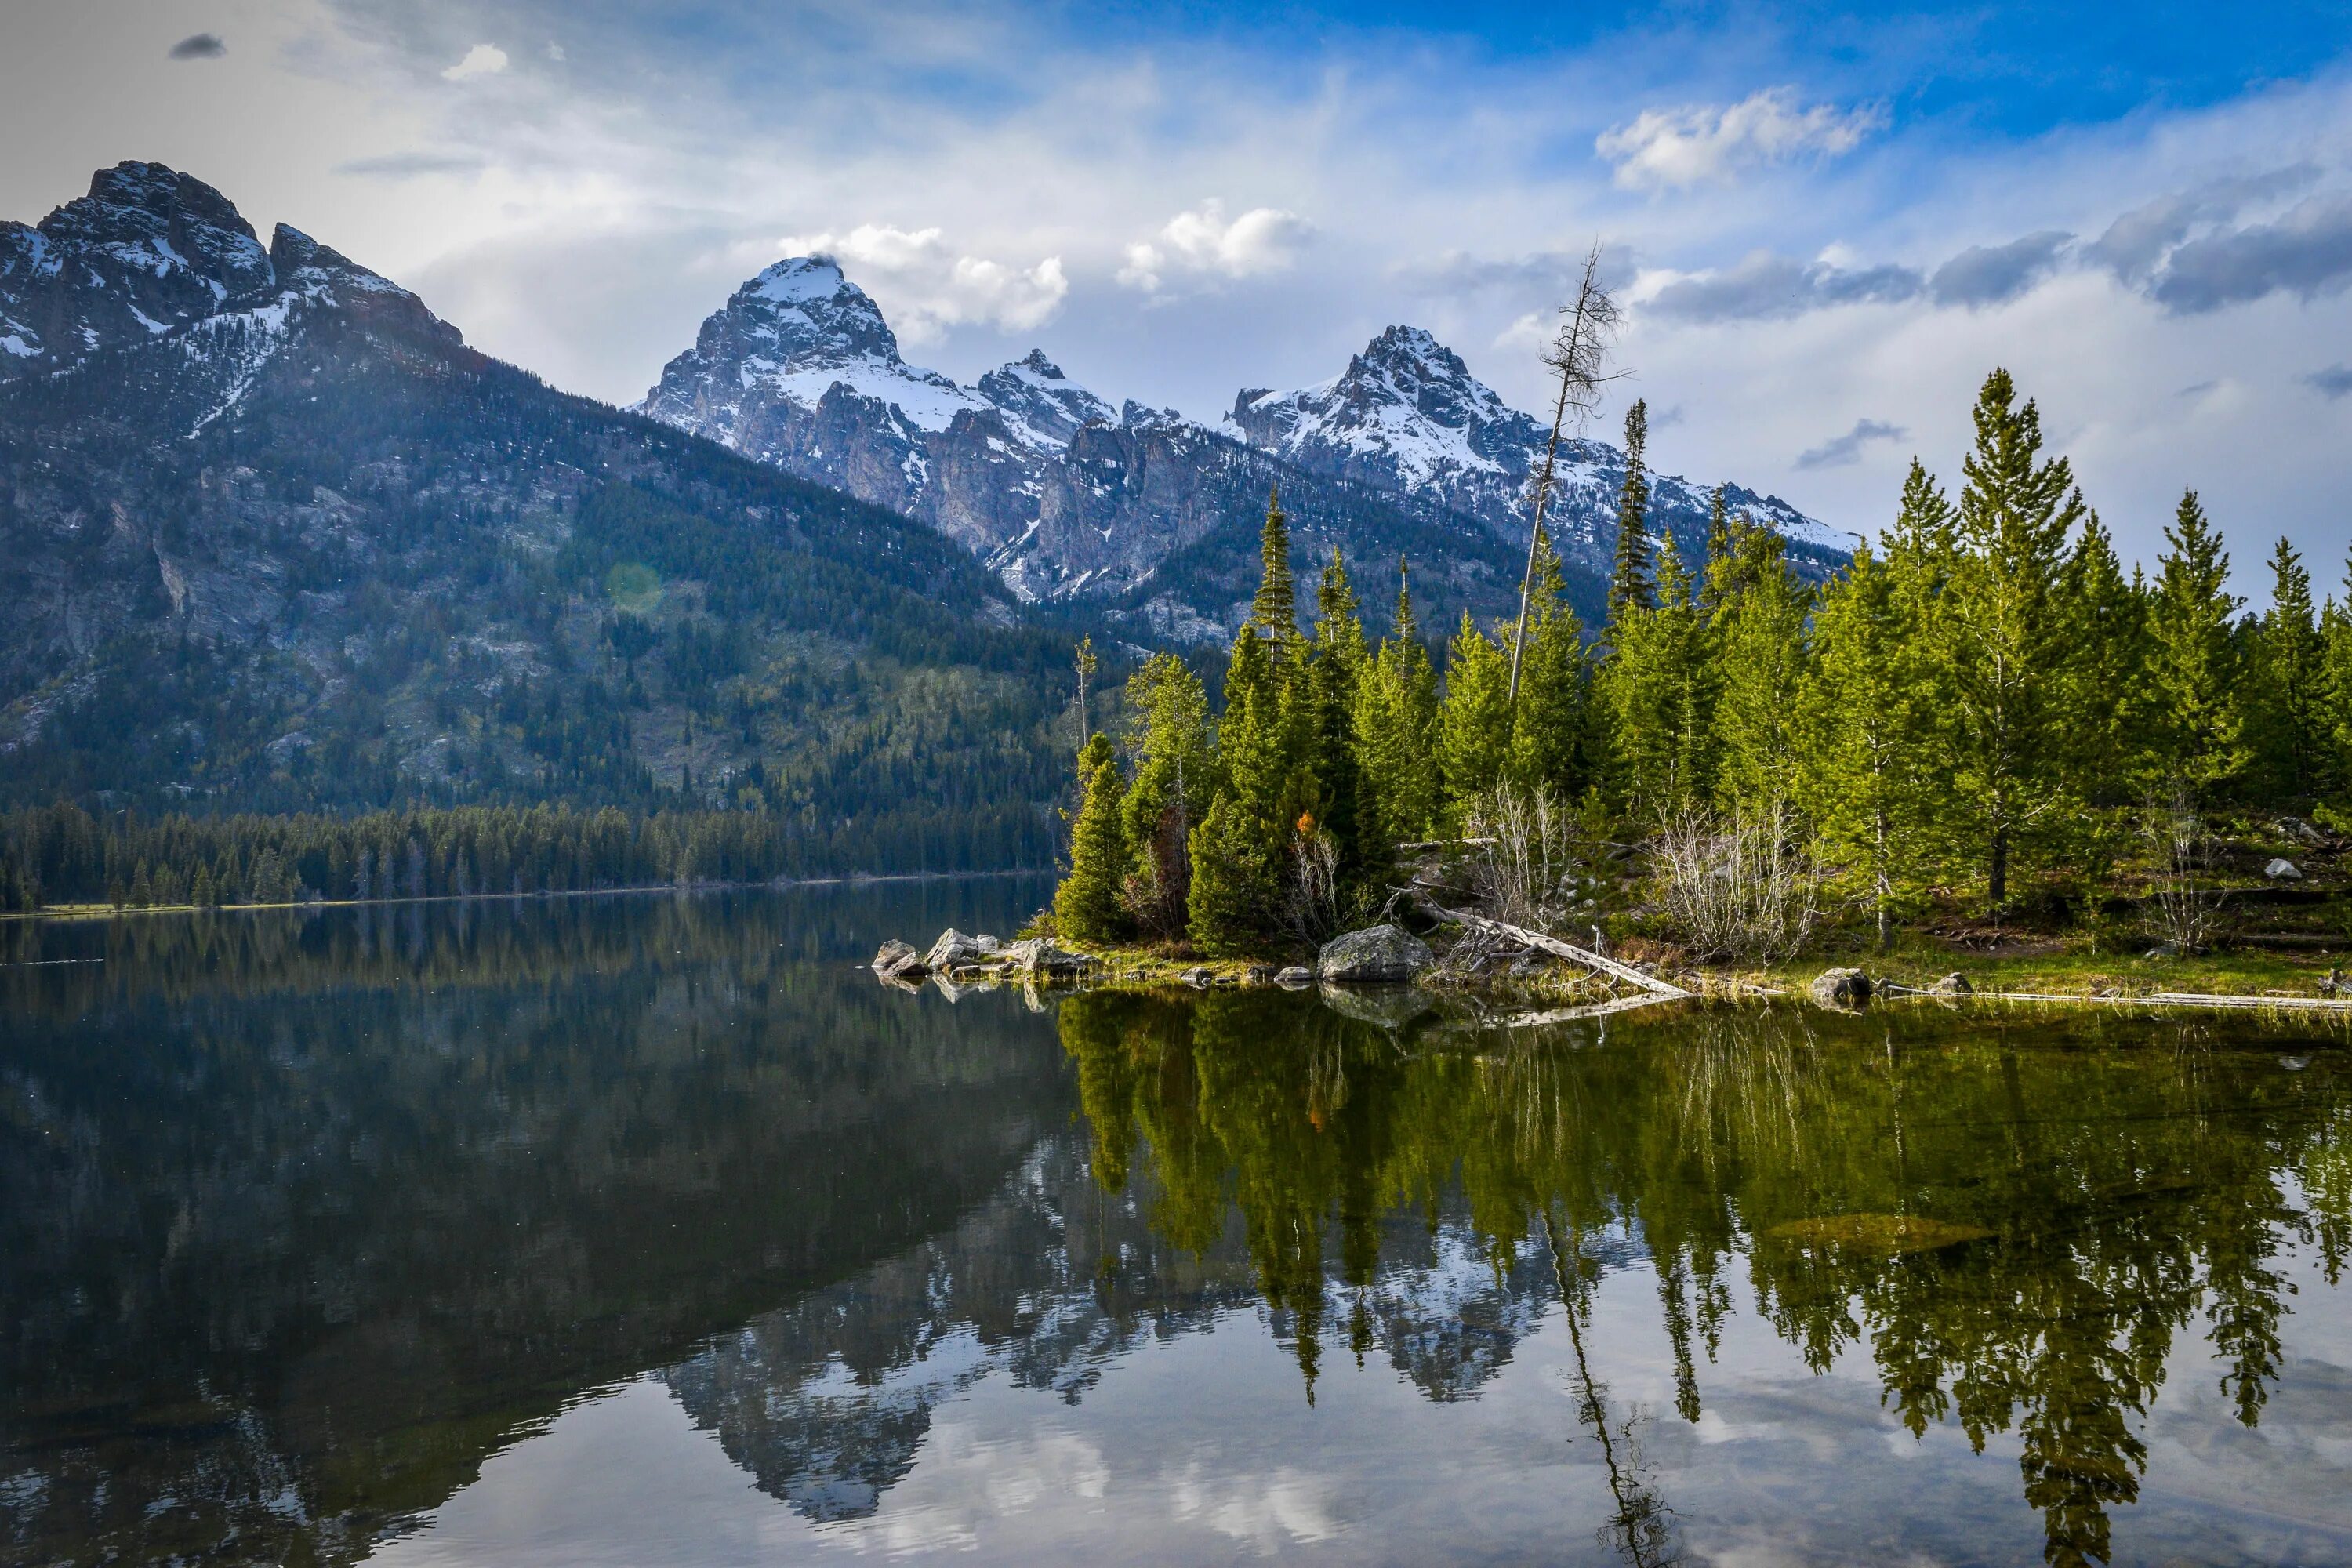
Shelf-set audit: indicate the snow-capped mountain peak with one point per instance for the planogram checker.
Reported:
(1041, 402)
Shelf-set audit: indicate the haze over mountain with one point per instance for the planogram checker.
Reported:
(1067, 498)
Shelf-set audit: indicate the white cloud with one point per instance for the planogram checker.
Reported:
(482, 59)
(1202, 242)
(925, 286)
(1705, 143)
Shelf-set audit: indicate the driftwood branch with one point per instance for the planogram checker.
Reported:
(1568, 950)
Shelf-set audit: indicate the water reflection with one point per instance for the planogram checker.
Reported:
(307, 1217)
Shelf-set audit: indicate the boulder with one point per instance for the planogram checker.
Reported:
(1953, 984)
(2283, 870)
(1840, 989)
(956, 950)
(892, 954)
(1257, 974)
(1199, 977)
(1037, 956)
(1374, 956)
(1297, 977)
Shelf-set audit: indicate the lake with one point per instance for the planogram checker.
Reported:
(653, 1229)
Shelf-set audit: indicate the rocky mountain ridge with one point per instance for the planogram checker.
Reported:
(1404, 451)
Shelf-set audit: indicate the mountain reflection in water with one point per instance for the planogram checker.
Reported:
(308, 1217)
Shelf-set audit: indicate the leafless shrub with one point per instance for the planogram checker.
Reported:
(1312, 894)
(2184, 901)
(1524, 865)
(1740, 886)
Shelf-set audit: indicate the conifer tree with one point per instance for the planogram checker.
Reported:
(1656, 691)
(1230, 903)
(2287, 715)
(1629, 581)
(1762, 642)
(1719, 546)
(1086, 905)
(1176, 777)
(2336, 691)
(2104, 686)
(1274, 610)
(2196, 727)
(1395, 726)
(1474, 722)
(1335, 670)
(1549, 746)
(1871, 774)
(2002, 651)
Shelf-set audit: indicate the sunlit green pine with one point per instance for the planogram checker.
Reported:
(2003, 646)
(1176, 776)
(1275, 609)
(1550, 724)
(1761, 636)
(1337, 661)
(2103, 688)
(1087, 906)
(2286, 709)
(1395, 731)
(2336, 695)
(1230, 903)
(2195, 728)
(1474, 722)
(1870, 777)
(1629, 579)
(1656, 693)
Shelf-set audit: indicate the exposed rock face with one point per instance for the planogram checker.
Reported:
(1840, 989)
(1066, 498)
(896, 961)
(1374, 956)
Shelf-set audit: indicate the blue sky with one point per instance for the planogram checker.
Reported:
(1829, 220)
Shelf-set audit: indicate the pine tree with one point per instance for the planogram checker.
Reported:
(1474, 721)
(1230, 903)
(1762, 643)
(2103, 686)
(1335, 670)
(1657, 692)
(1176, 777)
(2002, 649)
(2196, 727)
(1871, 774)
(1629, 581)
(1275, 611)
(1395, 728)
(1549, 748)
(2336, 691)
(1719, 546)
(1086, 905)
(2287, 691)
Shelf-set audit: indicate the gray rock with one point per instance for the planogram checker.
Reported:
(1840, 989)
(954, 951)
(1953, 984)
(896, 961)
(1037, 956)
(1373, 955)
(2283, 870)
(1393, 1008)
(1257, 974)
(1199, 977)
(1297, 977)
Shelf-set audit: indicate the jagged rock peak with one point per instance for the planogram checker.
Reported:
(155, 218)
(807, 307)
(1034, 394)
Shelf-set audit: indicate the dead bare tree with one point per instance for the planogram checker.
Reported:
(1579, 355)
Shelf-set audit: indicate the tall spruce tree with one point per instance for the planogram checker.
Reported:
(1474, 721)
(1336, 665)
(1274, 610)
(1871, 774)
(1762, 642)
(1629, 581)
(1656, 693)
(2195, 728)
(1395, 731)
(2287, 686)
(2003, 651)
(1549, 746)
(2103, 688)
(1087, 906)
(1176, 778)
(2336, 695)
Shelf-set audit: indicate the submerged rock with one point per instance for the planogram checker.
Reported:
(1373, 955)
(1297, 977)
(1394, 1008)
(1840, 989)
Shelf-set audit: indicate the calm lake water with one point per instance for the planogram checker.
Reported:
(652, 1230)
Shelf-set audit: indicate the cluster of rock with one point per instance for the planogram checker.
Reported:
(1851, 987)
(957, 957)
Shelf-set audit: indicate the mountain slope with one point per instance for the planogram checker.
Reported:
(1404, 452)
(302, 547)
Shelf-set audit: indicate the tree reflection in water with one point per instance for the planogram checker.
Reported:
(2016, 1216)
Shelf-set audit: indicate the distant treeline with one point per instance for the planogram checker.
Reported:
(64, 855)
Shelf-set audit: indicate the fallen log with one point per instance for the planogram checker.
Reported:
(1568, 950)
